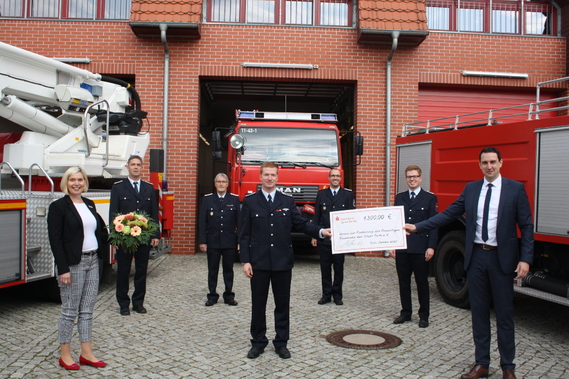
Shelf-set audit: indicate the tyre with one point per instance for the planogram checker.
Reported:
(449, 270)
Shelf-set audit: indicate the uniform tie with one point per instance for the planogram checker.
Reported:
(412, 195)
(334, 193)
(270, 200)
(135, 186)
(485, 213)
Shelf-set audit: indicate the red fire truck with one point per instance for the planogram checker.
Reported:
(533, 139)
(305, 146)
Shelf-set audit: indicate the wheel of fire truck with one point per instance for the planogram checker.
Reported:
(449, 270)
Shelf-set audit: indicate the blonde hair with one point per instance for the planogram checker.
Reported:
(72, 171)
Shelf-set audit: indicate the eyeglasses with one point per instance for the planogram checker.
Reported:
(221, 181)
(413, 176)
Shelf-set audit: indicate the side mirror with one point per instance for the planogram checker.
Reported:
(359, 148)
(216, 140)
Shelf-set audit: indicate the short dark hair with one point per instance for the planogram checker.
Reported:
(490, 150)
(134, 157)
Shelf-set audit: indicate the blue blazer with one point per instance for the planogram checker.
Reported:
(423, 206)
(219, 222)
(326, 203)
(264, 232)
(514, 210)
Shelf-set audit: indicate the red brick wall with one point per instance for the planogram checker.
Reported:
(223, 48)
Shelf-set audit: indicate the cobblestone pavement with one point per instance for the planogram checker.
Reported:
(181, 338)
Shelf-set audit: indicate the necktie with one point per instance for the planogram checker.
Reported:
(485, 213)
(412, 195)
(270, 200)
(333, 193)
(136, 187)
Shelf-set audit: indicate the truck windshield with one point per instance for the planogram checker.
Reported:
(296, 145)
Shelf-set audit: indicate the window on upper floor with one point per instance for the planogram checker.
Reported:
(493, 16)
(66, 9)
(283, 12)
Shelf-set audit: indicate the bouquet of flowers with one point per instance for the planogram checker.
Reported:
(130, 230)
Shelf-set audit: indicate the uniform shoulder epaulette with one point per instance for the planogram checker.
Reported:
(347, 189)
(287, 194)
(120, 181)
(234, 194)
(249, 194)
(432, 193)
(208, 194)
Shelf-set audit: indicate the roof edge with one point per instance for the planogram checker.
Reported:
(177, 29)
(384, 36)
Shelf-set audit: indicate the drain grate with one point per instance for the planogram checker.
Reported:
(363, 339)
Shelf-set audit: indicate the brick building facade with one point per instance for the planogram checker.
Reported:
(356, 56)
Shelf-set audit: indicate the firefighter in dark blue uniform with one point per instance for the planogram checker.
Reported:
(267, 218)
(334, 198)
(419, 205)
(219, 219)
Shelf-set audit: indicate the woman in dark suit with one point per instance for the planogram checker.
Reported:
(78, 238)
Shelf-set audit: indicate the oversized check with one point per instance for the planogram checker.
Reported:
(368, 229)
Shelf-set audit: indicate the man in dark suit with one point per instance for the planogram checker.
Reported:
(419, 205)
(219, 219)
(334, 198)
(494, 207)
(133, 195)
(267, 218)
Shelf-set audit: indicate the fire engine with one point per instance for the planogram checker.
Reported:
(52, 116)
(533, 140)
(305, 146)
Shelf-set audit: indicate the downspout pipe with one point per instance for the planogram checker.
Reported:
(395, 38)
(163, 28)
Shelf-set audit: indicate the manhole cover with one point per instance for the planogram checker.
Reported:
(363, 339)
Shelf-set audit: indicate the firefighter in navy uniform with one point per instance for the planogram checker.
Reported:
(219, 219)
(334, 198)
(419, 205)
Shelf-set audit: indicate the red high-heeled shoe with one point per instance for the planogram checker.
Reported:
(73, 366)
(84, 361)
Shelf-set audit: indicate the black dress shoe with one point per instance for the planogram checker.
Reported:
(210, 302)
(230, 302)
(255, 352)
(324, 301)
(283, 352)
(125, 311)
(401, 319)
(423, 323)
(139, 309)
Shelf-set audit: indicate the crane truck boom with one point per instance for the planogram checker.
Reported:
(52, 116)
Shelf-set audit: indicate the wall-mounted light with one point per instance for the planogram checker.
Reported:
(511, 75)
(73, 60)
(280, 65)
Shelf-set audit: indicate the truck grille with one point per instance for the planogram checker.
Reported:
(299, 193)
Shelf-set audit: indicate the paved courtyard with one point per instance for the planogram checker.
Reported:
(181, 338)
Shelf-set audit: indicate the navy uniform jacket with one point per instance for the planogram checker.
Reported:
(65, 230)
(265, 232)
(124, 199)
(219, 221)
(513, 210)
(422, 208)
(326, 203)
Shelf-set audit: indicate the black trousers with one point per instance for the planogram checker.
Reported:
(408, 264)
(280, 283)
(331, 288)
(124, 261)
(227, 257)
